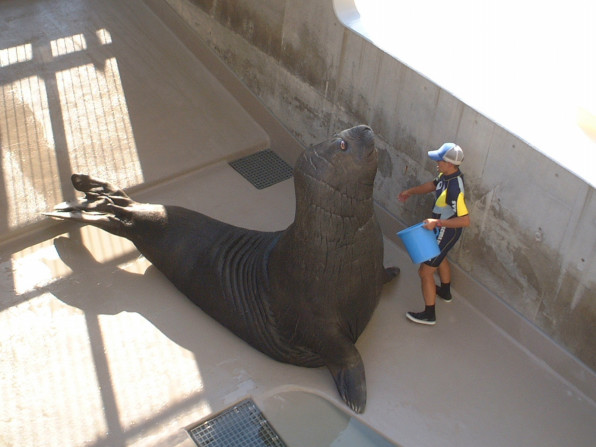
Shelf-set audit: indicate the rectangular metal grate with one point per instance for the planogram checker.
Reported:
(263, 169)
(242, 425)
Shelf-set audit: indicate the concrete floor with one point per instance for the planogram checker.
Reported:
(98, 349)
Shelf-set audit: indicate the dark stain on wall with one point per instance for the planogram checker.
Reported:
(568, 316)
(406, 144)
(205, 5)
(306, 61)
(261, 25)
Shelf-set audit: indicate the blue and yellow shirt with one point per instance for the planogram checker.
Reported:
(449, 196)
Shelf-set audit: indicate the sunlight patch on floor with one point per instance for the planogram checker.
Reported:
(69, 332)
(16, 54)
(37, 266)
(46, 353)
(28, 163)
(148, 370)
(50, 98)
(96, 122)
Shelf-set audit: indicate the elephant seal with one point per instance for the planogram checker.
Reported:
(301, 296)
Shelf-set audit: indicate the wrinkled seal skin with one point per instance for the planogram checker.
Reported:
(301, 296)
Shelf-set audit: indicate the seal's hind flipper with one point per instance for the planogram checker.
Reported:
(98, 190)
(77, 216)
(86, 183)
(107, 222)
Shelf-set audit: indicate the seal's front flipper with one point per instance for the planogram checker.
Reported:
(390, 273)
(350, 380)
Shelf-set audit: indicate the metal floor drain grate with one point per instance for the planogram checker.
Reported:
(263, 169)
(242, 425)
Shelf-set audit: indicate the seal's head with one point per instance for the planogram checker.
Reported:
(345, 164)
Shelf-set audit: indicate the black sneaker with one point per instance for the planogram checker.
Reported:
(446, 296)
(420, 317)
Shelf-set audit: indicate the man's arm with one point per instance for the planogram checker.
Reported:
(456, 222)
(420, 189)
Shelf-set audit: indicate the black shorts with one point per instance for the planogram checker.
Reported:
(446, 237)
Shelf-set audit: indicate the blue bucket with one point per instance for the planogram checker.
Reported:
(421, 243)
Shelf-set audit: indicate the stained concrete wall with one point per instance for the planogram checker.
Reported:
(531, 242)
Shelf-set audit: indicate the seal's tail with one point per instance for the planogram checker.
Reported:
(104, 205)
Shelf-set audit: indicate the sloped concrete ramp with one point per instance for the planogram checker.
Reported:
(103, 87)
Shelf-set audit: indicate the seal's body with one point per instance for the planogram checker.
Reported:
(302, 295)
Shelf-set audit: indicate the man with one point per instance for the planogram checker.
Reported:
(449, 217)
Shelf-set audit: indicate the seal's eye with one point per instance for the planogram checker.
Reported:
(342, 145)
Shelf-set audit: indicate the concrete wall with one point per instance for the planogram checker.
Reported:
(532, 241)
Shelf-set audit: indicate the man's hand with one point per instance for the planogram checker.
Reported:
(403, 196)
(430, 224)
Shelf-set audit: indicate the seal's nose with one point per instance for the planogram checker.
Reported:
(362, 132)
(365, 134)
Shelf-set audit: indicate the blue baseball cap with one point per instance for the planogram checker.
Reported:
(449, 152)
